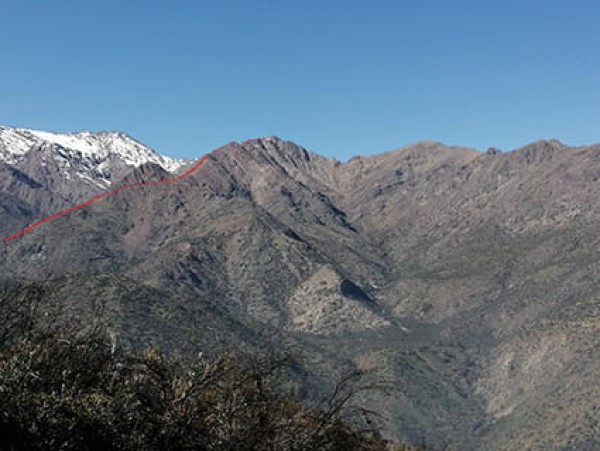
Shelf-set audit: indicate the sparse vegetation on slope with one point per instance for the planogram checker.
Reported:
(73, 389)
(469, 279)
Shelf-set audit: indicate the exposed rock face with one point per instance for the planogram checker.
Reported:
(469, 278)
(493, 151)
(327, 305)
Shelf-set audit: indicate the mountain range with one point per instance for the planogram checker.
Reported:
(466, 279)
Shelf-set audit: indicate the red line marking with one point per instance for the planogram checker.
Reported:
(118, 190)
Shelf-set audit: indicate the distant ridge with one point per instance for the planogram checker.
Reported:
(118, 190)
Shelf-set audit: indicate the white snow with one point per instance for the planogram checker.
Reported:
(86, 146)
(86, 153)
(14, 142)
(98, 182)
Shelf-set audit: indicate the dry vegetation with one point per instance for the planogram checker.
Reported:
(73, 389)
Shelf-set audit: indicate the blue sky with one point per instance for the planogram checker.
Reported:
(340, 77)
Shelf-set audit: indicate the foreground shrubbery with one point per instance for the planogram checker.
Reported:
(75, 390)
(73, 393)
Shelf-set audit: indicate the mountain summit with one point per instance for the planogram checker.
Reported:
(97, 158)
(42, 173)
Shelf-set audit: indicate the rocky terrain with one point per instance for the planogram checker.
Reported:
(467, 279)
(41, 172)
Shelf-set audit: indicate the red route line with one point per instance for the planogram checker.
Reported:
(123, 188)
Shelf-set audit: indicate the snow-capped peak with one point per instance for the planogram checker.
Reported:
(15, 142)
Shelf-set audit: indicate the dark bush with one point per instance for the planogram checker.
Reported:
(75, 390)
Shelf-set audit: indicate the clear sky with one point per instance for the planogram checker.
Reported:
(340, 77)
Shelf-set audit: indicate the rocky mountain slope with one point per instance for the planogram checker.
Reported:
(467, 278)
(42, 172)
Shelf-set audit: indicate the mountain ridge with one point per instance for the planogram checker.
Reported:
(105, 152)
(468, 278)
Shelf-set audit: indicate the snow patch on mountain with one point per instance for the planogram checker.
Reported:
(100, 145)
(91, 155)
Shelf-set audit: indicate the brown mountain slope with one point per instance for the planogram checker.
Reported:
(469, 278)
